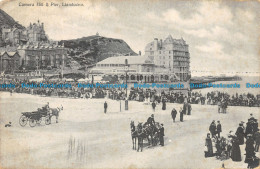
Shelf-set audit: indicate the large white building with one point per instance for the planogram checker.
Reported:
(140, 69)
(172, 54)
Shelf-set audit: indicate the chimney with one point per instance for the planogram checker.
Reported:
(140, 53)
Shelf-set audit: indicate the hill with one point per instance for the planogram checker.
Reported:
(7, 20)
(89, 50)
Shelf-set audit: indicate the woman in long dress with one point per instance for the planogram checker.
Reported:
(250, 151)
(235, 151)
(181, 114)
(240, 134)
(208, 143)
(163, 104)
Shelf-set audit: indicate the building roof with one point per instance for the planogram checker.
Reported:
(8, 53)
(132, 60)
(169, 39)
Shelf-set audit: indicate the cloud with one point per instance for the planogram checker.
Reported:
(213, 50)
(207, 14)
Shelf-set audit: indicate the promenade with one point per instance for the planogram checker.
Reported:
(107, 137)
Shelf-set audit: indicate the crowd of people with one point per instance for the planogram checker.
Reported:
(73, 91)
(230, 147)
(223, 98)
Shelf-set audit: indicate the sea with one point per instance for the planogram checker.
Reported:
(253, 80)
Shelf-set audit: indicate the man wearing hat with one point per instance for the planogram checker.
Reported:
(212, 128)
(105, 107)
(161, 134)
(46, 108)
(151, 121)
(153, 106)
(173, 113)
(219, 129)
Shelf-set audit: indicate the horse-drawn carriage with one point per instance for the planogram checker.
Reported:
(143, 132)
(36, 117)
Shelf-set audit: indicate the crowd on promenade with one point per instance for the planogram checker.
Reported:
(216, 97)
(138, 94)
(224, 148)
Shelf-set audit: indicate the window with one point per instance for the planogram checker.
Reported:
(160, 52)
(169, 52)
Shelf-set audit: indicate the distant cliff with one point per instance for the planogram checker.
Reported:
(92, 49)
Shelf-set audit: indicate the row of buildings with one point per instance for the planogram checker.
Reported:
(32, 51)
(13, 36)
(164, 61)
(31, 57)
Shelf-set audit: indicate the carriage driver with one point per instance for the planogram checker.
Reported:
(46, 108)
(151, 121)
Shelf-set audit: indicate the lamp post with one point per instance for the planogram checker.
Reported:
(126, 70)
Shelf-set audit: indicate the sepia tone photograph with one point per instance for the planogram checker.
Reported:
(129, 84)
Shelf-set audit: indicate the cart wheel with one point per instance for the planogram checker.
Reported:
(23, 120)
(47, 120)
(39, 121)
(32, 122)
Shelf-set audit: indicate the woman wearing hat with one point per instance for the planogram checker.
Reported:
(181, 114)
(250, 153)
(235, 151)
(208, 143)
(240, 134)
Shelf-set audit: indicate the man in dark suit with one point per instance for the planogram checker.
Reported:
(153, 105)
(151, 121)
(212, 128)
(161, 135)
(105, 107)
(173, 113)
(219, 129)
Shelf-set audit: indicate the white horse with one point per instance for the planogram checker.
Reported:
(55, 112)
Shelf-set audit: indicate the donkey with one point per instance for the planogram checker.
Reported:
(133, 134)
(55, 112)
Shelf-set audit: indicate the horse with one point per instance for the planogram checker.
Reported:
(55, 112)
(140, 135)
(133, 134)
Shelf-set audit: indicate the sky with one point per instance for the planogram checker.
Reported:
(223, 36)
